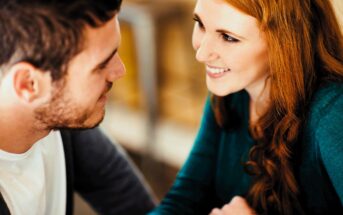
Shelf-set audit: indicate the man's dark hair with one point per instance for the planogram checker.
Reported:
(48, 33)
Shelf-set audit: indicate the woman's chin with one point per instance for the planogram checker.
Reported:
(220, 92)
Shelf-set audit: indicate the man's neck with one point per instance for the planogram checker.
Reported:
(18, 136)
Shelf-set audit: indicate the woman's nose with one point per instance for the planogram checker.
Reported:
(205, 51)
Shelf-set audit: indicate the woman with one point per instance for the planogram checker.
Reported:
(270, 141)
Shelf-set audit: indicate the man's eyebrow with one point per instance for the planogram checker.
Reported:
(103, 63)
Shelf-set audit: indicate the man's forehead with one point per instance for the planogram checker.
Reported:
(99, 44)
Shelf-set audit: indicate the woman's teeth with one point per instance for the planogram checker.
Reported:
(216, 70)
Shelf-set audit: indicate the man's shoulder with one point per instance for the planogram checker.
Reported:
(81, 132)
(84, 137)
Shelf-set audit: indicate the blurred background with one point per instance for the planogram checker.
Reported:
(155, 110)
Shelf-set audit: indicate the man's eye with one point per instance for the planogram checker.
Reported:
(103, 66)
(229, 38)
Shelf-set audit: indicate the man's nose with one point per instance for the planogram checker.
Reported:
(118, 70)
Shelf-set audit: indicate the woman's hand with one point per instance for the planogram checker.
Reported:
(237, 206)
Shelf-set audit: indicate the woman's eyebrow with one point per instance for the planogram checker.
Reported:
(222, 31)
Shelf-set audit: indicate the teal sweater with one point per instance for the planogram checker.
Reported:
(213, 172)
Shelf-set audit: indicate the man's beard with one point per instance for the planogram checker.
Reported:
(62, 113)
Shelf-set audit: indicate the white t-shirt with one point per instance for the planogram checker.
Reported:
(34, 183)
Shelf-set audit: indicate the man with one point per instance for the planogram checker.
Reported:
(58, 60)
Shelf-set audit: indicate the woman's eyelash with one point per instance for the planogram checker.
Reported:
(196, 19)
(229, 38)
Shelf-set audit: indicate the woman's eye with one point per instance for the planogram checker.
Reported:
(228, 38)
(198, 22)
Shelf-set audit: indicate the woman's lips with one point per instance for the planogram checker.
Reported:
(216, 72)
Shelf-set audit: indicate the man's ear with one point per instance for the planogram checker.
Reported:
(27, 81)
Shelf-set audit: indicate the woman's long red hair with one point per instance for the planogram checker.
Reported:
(305, 49)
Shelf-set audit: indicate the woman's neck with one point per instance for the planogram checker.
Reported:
(259, 102)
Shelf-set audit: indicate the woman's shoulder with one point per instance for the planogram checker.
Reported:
(327, 101)
(325, 117)
(324, 131)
